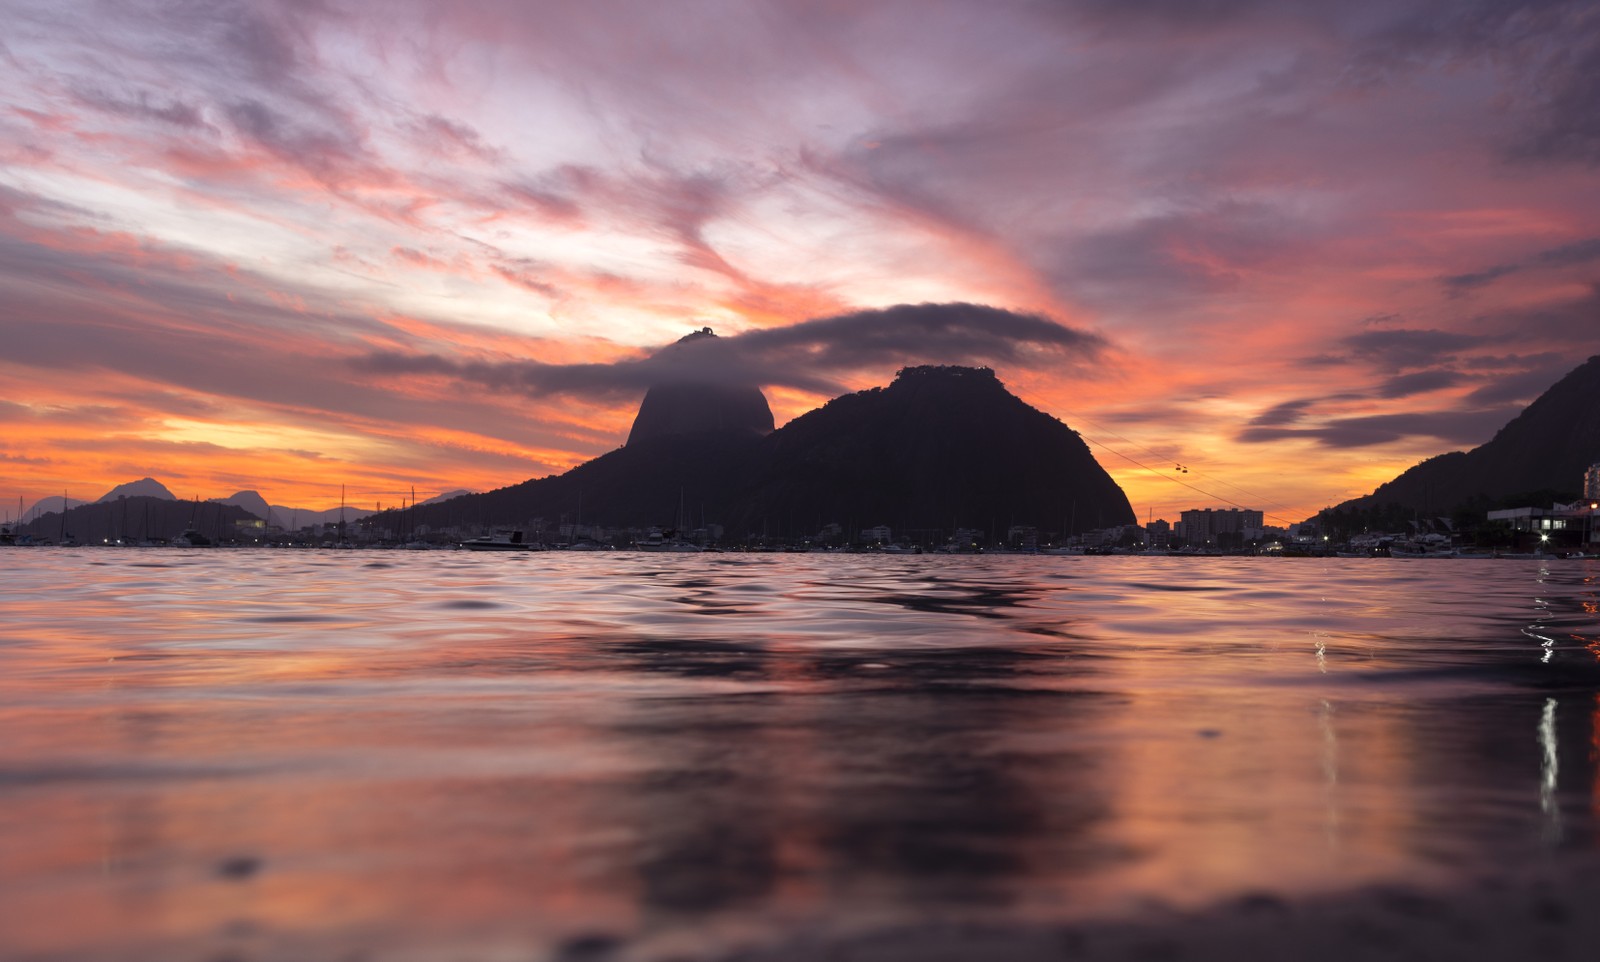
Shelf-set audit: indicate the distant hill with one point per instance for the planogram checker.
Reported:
(44, 506)
(293, 519)
(941, 447)
(1546, 448)
(143, 488)
(251, 501)
(43, 517)
(139, 518)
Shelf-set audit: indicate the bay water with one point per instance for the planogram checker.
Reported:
(261, 754)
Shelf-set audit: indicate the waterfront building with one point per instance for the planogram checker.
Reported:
(1578, 518)
(1213, 525)
(1591, 482)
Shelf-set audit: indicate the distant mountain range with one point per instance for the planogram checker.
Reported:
(1543, 451)
(138, 518)
(251, 502)
(50, 505)
(938, 449)
(293, 519)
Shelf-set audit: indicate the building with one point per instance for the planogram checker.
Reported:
(1591, 483)
(1200, 526)
(1023, 536)
(878, 534)
(1158, 534)
(1578, 518)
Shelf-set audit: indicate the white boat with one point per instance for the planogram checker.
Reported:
(506, 539)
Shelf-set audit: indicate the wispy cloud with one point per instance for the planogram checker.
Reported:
(1566, 255)
(1455, 428)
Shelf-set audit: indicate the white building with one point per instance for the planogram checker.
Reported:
(876, 535)
(1576, 517)
(1205, 525)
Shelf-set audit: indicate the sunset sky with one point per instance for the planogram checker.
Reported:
(1295, 247)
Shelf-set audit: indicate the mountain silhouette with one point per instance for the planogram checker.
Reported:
(292, 518)
(1546, 448)
(142, 488)
(445, 496)
(54, 503)
(694, 407)
(940, 448)
(253, 502)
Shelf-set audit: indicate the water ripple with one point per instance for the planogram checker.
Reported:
(360, 752)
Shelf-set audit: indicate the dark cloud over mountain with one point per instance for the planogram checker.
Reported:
(812, 355)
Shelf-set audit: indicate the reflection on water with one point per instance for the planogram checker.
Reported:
(273, 755)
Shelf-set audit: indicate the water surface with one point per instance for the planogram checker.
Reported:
(415, 755)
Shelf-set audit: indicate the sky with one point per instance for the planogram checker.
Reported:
(290, 245)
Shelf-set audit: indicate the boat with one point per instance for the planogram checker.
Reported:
(1420, 551)
(657, 540)
(506, 539)
(192, 538)
(12, 535)
(669, 541)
